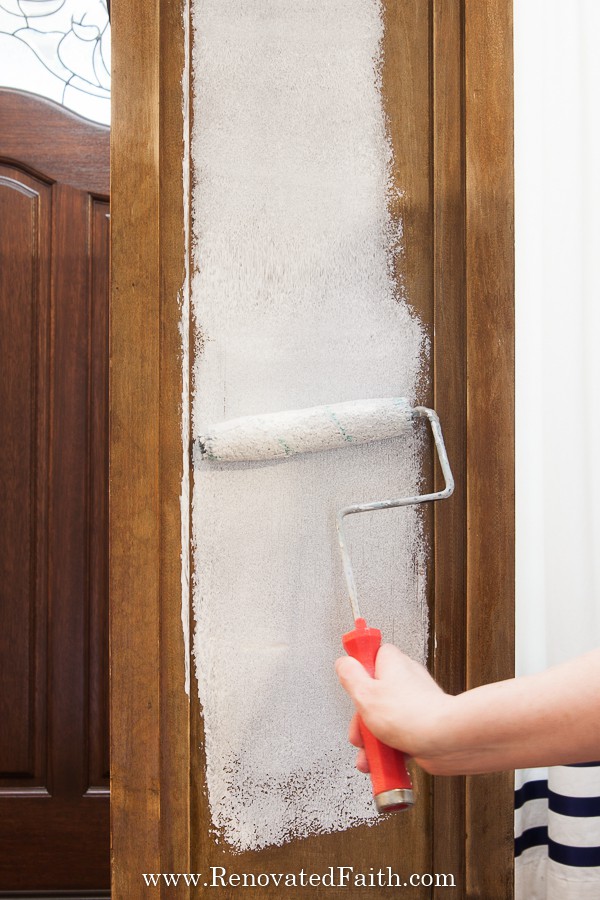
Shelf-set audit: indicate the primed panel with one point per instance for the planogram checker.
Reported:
(403, 839)
(295, 305)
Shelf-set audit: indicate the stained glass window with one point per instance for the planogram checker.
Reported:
(59, 49)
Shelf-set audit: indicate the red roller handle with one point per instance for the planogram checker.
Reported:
(392, 787)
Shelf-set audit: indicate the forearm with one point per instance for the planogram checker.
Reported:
(547, 719)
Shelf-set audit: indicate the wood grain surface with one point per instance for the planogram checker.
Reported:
(149, 707)
(135, 385)
(448, 375)
(490, 413)
(54, 804)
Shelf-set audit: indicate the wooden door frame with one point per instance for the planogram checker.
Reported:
(152, 818)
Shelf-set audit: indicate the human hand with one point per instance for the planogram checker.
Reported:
(548, 719)
(402, 705)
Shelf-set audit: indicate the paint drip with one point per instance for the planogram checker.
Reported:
(294, 298)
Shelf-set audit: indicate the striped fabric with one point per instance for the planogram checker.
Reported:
(557, 833)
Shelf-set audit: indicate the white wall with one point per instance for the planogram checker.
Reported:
(557, 157)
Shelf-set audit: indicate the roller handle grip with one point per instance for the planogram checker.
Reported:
(392, 786)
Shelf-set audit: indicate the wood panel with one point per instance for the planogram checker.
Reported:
(25, 236)
(489, 212)
(69, 572)
(98, 683)
(54, 833)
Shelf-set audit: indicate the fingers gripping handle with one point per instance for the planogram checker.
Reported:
(392, 787)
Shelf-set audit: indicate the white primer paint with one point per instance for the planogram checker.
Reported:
(295, 306)
(184, 330)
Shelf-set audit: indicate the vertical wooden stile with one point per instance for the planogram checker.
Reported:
(149, 708)
(490, 413)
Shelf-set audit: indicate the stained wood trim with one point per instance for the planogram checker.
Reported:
(449, 367)
(150, 741)
(175, 705)
(490, 413)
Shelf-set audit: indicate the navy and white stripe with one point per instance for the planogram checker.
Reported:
(557, 833)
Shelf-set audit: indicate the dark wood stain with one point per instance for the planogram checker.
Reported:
(67, 148)
(54, 807)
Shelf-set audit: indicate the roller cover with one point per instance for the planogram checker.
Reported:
(283, 434)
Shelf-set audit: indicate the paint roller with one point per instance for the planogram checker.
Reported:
(280, 435)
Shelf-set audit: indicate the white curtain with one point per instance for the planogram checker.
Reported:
(557, 178)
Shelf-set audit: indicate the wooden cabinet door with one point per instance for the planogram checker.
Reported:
(447, 87)
(54, 238)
